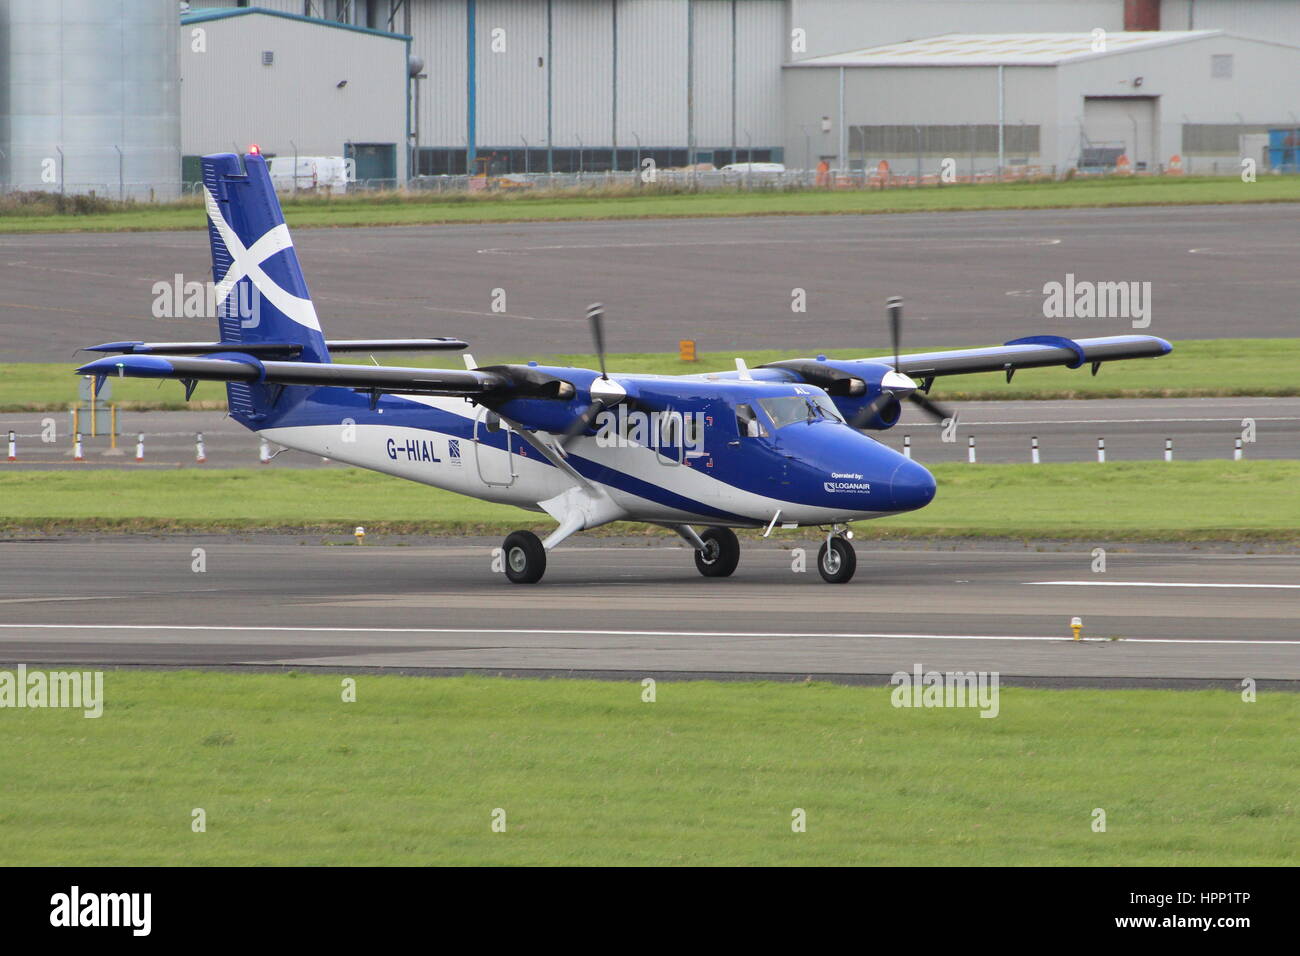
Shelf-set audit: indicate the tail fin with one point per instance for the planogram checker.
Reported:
(261, 295)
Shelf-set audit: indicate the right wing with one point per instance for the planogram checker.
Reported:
(501, 381)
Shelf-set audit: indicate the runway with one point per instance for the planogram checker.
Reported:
(1133, 429)
(1156, 617)
(969, 278)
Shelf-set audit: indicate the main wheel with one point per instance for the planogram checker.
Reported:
(837, 563)
(525, 558)
(721, 553)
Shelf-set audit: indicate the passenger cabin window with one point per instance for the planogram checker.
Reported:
(748, 424)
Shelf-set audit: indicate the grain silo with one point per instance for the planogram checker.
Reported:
(92, 98)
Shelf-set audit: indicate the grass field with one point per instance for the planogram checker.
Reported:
(588, 773)
(630, 203)
(1120, 501)
(1195, 369)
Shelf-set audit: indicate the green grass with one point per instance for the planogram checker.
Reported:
(630, 203)
(587, 773)
(1123, 501)
(1195, 369)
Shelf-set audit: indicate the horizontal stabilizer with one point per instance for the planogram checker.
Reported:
(283, 349)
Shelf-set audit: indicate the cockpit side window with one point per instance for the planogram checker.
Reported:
(790, 409)
(748, 423)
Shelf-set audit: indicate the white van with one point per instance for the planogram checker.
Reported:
(319, 174)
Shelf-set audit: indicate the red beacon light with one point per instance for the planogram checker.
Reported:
(255, 150)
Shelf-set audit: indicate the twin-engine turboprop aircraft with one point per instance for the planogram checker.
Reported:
(784, 444)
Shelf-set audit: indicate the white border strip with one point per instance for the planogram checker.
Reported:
(1159, 584)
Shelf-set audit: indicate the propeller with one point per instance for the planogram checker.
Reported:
(895, 381)
(604, 392)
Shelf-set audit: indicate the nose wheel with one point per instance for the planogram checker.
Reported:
(837, 561)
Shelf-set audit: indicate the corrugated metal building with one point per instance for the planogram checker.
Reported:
(293, 85)
(833, 26)
(597, 84)
(1045, 100)
(572, 85)
(594, 84)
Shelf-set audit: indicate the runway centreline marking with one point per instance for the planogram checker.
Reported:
(1159, 584)
(609, 633)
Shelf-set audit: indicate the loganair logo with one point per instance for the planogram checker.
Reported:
(247, 261)
(847, 482)
(453, 451)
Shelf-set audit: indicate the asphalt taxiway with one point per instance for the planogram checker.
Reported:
(969, 278)
(1159, 616)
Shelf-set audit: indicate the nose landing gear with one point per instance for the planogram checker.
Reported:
(837, 561)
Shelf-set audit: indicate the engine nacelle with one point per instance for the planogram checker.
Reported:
(886, 415)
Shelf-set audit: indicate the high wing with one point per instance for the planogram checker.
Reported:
(1035, 351)
(869, 391)
(500, 382)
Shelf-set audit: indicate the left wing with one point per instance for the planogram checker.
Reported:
(1035, 351)
(869, 391)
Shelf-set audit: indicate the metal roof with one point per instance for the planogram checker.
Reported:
(1006, 49)
(206, 14)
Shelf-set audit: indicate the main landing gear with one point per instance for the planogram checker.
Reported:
(837, 561)
(720, 554)
(717, 552)
(525, 558)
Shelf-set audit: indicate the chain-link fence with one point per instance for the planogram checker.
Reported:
(865, 157)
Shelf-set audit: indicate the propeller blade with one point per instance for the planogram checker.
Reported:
(596, 316)
(582, 422)
(931, 408)
(869, 411)
(894, 306)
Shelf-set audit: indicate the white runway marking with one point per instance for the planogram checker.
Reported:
(1160, 584)
(560, 631)
(675, 243)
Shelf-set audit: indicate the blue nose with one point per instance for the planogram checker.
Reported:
(911, 486)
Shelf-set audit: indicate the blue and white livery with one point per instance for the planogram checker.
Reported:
(784, 444)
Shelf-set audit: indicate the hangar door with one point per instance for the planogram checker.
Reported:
(1122, 122)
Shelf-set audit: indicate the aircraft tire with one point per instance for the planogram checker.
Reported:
(837, 563)
(722, 554)
(525, 558)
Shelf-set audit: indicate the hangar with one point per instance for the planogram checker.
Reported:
(1051, 101)
(293, 85)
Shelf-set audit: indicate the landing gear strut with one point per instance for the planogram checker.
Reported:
(837, 561)
(721, 553)
(525, 558)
